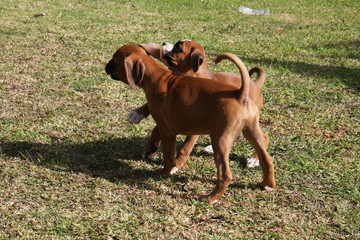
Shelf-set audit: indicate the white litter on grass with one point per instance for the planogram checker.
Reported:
(252, 162)
(209, 149)
(249, 11)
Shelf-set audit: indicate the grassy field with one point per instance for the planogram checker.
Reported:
(71, 165)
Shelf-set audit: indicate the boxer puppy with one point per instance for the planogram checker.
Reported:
(188, 57)
(209, 107)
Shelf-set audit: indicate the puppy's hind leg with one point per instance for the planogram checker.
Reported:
(222, 146)
(253, 161)
(258, 140)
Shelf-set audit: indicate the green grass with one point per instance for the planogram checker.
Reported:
(71, 166)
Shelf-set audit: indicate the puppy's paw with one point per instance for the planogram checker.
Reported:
(209, 149)
(135, 117)
(209, 199)
(267, 185)
(150, 151)
(166, 172)
(174, 170)
(149, 155)
(252, 162)
(268, 189)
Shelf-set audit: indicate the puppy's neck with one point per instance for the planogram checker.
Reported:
(155, 75)
(176, 72)
(204, 71)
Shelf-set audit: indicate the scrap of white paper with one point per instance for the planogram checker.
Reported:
(249, 11)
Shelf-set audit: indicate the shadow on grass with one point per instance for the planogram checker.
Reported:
(113, 159)
(351, 48)
(109, 159)
(348, 76)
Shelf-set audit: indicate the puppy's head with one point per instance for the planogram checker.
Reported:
(127, 65)
(185, 56)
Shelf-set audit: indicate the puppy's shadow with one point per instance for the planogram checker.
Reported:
(114, 160)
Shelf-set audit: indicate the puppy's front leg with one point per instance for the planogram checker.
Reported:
(169, 149)
(153, 144)
(138, 114)
(183, 154)
(185, 150)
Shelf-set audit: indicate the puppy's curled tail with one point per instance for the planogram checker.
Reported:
(244, 91)
(259, 81)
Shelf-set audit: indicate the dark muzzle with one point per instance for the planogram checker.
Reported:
(109, 67)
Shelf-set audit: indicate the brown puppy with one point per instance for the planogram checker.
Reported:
(210, 107)
(188, 57)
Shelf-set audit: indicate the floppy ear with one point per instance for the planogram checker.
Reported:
(196, 58)
(135, 69)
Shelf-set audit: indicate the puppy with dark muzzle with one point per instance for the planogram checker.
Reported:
(187, 57)
(194, 106)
